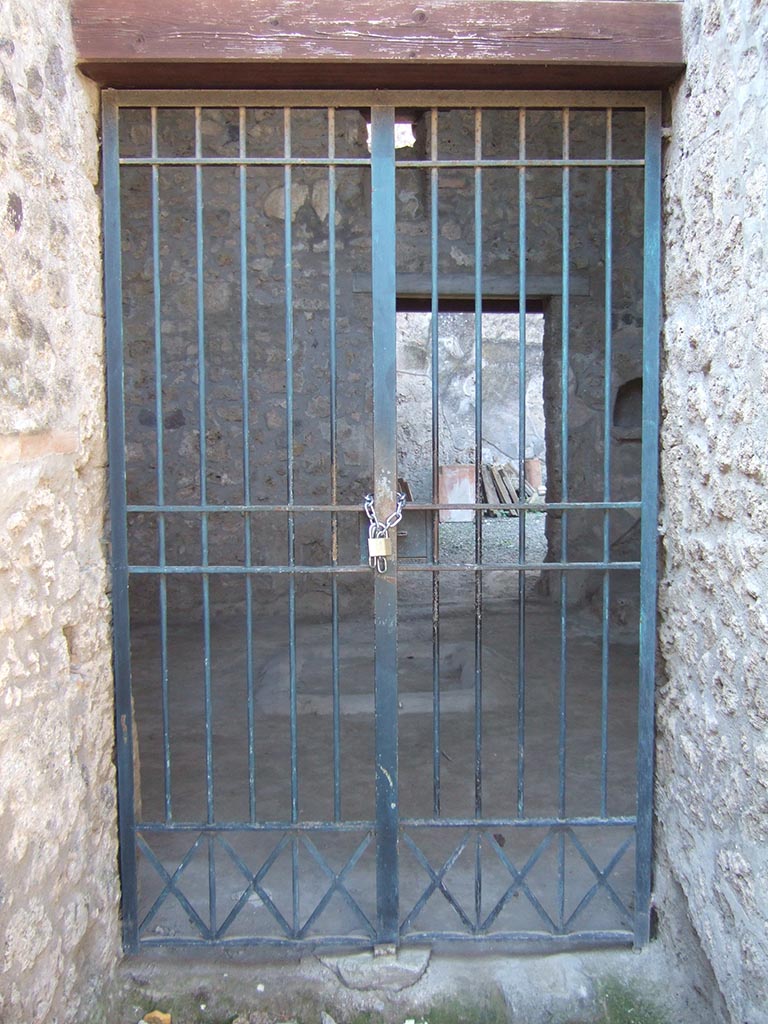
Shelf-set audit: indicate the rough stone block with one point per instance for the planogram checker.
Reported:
(48, 442)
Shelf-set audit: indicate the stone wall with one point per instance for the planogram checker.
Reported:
(266, 392)
(58, 888)
(712, 786)
(260, 224)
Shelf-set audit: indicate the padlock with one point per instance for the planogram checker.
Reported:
(379, 547)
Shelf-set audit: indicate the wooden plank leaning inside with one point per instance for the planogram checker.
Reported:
(367, 44)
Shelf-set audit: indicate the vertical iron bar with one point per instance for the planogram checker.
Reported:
(650, 499)
(160, 454)
(201, 381)
(521, 441)
(566, 183)
(607, 394)
(435, 553)
(564, 531)
(334, 464)
(385, 483)
(478, 513)
(247, 521)
(119, 527)
(478, 465)
(203, 459)
(288, 245)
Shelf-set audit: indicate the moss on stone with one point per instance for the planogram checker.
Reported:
(621, 1004)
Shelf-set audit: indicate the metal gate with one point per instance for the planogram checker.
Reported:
(508, 798)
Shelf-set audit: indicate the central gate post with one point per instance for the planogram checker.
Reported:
(385, 486)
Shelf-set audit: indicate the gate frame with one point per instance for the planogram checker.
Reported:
(382, 104)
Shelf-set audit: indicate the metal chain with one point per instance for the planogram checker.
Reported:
(379, 530)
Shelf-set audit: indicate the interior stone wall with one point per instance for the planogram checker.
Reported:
(260, 223)
(712, 772)
(58, 877)
(265, 392)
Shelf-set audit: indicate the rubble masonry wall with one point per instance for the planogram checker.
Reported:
(257, 231)
(712, 766)
(58, 878)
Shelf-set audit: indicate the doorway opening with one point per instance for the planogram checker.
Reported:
(452, 740)
(507, 442)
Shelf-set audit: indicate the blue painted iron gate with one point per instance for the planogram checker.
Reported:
(288, 773)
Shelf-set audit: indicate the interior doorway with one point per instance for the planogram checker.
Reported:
(447, 736)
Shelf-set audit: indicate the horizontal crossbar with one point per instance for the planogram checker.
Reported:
(365, 826)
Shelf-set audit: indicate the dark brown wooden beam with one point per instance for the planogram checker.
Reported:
(379, 43)
(310, 75)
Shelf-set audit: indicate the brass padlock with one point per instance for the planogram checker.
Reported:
(379, 547)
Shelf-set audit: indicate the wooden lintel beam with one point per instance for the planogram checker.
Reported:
(225, 40)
